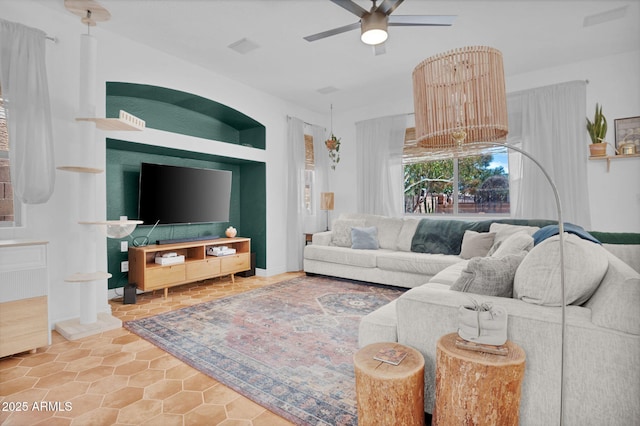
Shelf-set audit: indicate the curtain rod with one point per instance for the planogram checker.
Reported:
(308, 124)
(51, 38)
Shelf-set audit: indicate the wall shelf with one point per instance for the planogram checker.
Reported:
(81, 277)
(80, 169)
(614, 157)
(125, 122)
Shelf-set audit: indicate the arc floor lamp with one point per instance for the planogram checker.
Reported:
(461, 110)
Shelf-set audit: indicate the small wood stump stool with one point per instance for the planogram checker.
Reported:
(389, 394)
(477, 388)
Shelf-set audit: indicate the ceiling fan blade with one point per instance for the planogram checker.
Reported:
(333, 32)
(379, 49)
(351, 7)
(388, 6)
(421, 20)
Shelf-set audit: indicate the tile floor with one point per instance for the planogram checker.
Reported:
(117, 378)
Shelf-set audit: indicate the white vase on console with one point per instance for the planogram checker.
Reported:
(231, 232)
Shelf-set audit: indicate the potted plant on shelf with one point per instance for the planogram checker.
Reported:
(597, 131)
(333, 145)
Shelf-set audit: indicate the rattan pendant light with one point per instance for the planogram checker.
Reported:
(459, 98)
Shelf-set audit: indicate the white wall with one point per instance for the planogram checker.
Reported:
(613, 82)
(121, 60)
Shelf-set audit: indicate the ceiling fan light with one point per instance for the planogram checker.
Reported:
(374, 28)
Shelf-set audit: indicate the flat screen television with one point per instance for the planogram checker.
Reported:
(182, 195)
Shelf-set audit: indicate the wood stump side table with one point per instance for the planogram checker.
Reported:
(477, 388)
(389, 394)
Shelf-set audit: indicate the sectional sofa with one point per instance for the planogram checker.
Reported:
(514, 264)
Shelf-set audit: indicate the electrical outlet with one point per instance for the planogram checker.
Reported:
(124, 246)
(124, 266)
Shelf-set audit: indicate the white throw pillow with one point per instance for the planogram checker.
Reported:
(341, 232)
(504, 231)
(476, 244)
(537, 279)
(515, 243)
(405, 237)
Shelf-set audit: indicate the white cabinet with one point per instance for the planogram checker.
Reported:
(24, 289)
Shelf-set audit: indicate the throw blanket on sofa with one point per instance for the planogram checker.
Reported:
(443, 236)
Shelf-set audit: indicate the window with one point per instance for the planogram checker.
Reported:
(309, 175)
(7, 209)
(466, 186)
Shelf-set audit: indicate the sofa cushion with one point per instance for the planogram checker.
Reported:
(476, 244)
(489, 276)
(364, 238)
(341, 255)
(616, 302)
(388, 230)
(417, 263)
(514, 244)
(449, 275)
(409, 225)
(341, 232)
(537, 279)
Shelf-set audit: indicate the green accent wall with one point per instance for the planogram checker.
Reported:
(123, 159)
(184, 113)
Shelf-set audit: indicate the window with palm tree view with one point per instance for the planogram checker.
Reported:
(466, 186)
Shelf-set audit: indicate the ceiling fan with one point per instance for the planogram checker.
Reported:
(373, 23)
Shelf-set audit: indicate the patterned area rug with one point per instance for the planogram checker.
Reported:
(289, 346)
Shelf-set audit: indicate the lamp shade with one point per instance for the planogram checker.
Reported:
(460, 97)
(326, 201)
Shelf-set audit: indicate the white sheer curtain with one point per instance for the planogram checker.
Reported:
(548, 122)
(25, 93)
(379, 144)
(295, 193)
(321, 172)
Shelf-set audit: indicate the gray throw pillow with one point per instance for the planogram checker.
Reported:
(364, 238)
(489, 276)
(476, 244)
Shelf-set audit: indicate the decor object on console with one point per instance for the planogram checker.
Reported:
(460, 109)
(597, 131)
(326, 203)
(231, 232)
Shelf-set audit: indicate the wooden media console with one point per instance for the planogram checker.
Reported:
(149, 275)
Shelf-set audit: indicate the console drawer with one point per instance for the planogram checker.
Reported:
(204, 269)
(164, 275)
(235, 263)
